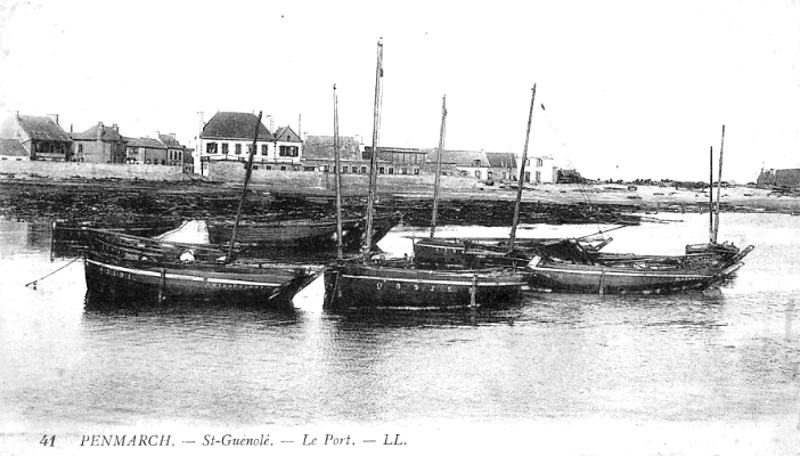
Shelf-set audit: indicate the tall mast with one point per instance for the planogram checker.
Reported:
(719, 187)
(248, 172)
(521, 179)
(338, 174)
(711, 194)
(438, 167)
(373, 162)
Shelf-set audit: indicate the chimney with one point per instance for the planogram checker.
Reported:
(172, 135)
(200, 122)
(53, 117)
(100, 130)
(115, 127)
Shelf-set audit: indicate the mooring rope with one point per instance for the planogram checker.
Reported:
(48, 275)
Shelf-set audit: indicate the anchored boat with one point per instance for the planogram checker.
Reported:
(123, 270)
(364, 283)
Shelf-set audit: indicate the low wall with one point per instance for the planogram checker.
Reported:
(395, 183)
(66, 170)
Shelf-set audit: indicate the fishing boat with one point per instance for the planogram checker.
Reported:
(453, 252)
(124, 269)
(365, 283)
(642, 277)
(565, 267)
(115, 281)
(399, 284)
(304, 235)
(476, 253)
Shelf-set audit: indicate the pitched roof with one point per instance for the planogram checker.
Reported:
(459, 157)
(108, 134)
(12, 148)
(149, 143)
(501, 159)
(42, 128)
(169, 141)
(287, 134)
(321, 148)
(235, 125)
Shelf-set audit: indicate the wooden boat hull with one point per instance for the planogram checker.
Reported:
(71, 236)
(592, 279)
(353, 286)
(482, 252)
(119, 283)
(302, 235)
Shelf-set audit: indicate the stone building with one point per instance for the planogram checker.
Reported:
(41, 136)
(99, 144)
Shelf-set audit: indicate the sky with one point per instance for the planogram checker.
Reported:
(630, 89)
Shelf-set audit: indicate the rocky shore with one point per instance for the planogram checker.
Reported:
(116, 199)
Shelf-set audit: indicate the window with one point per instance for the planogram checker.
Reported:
(381, 170)
(283, 168)
(344, 169)
(489, 175)
(404, 171)
(211, 148)
(80, 148)
(249, 149)
(505, 176)
(325, 168)
(416, 171)
(478, 174)
(539, 162)
(391, 170)
(288, 151)
(269, 167)
(238, 149)
(477, 163)
(363, 170)
(224, 148)
(264, 149)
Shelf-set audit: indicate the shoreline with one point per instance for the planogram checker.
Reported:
(82, 198)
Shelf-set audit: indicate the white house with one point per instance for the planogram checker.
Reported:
(228, 136)
(540, 170)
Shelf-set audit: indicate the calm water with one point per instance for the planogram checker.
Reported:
(703, 373)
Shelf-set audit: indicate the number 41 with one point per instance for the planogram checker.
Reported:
(48, 440)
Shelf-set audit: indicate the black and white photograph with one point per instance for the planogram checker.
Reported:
(380, 228)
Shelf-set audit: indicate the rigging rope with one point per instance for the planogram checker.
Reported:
(48, 275)
(583, 191)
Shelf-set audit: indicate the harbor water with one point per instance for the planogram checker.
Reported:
(712, 372)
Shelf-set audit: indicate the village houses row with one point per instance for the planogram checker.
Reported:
(228, 136)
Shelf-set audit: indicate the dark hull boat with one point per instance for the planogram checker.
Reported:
(302, 235)
(399, 285)
(482, 252)
(402, 284)
(566, 269)
(118, 274)
(596, 279)
(71, 236)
